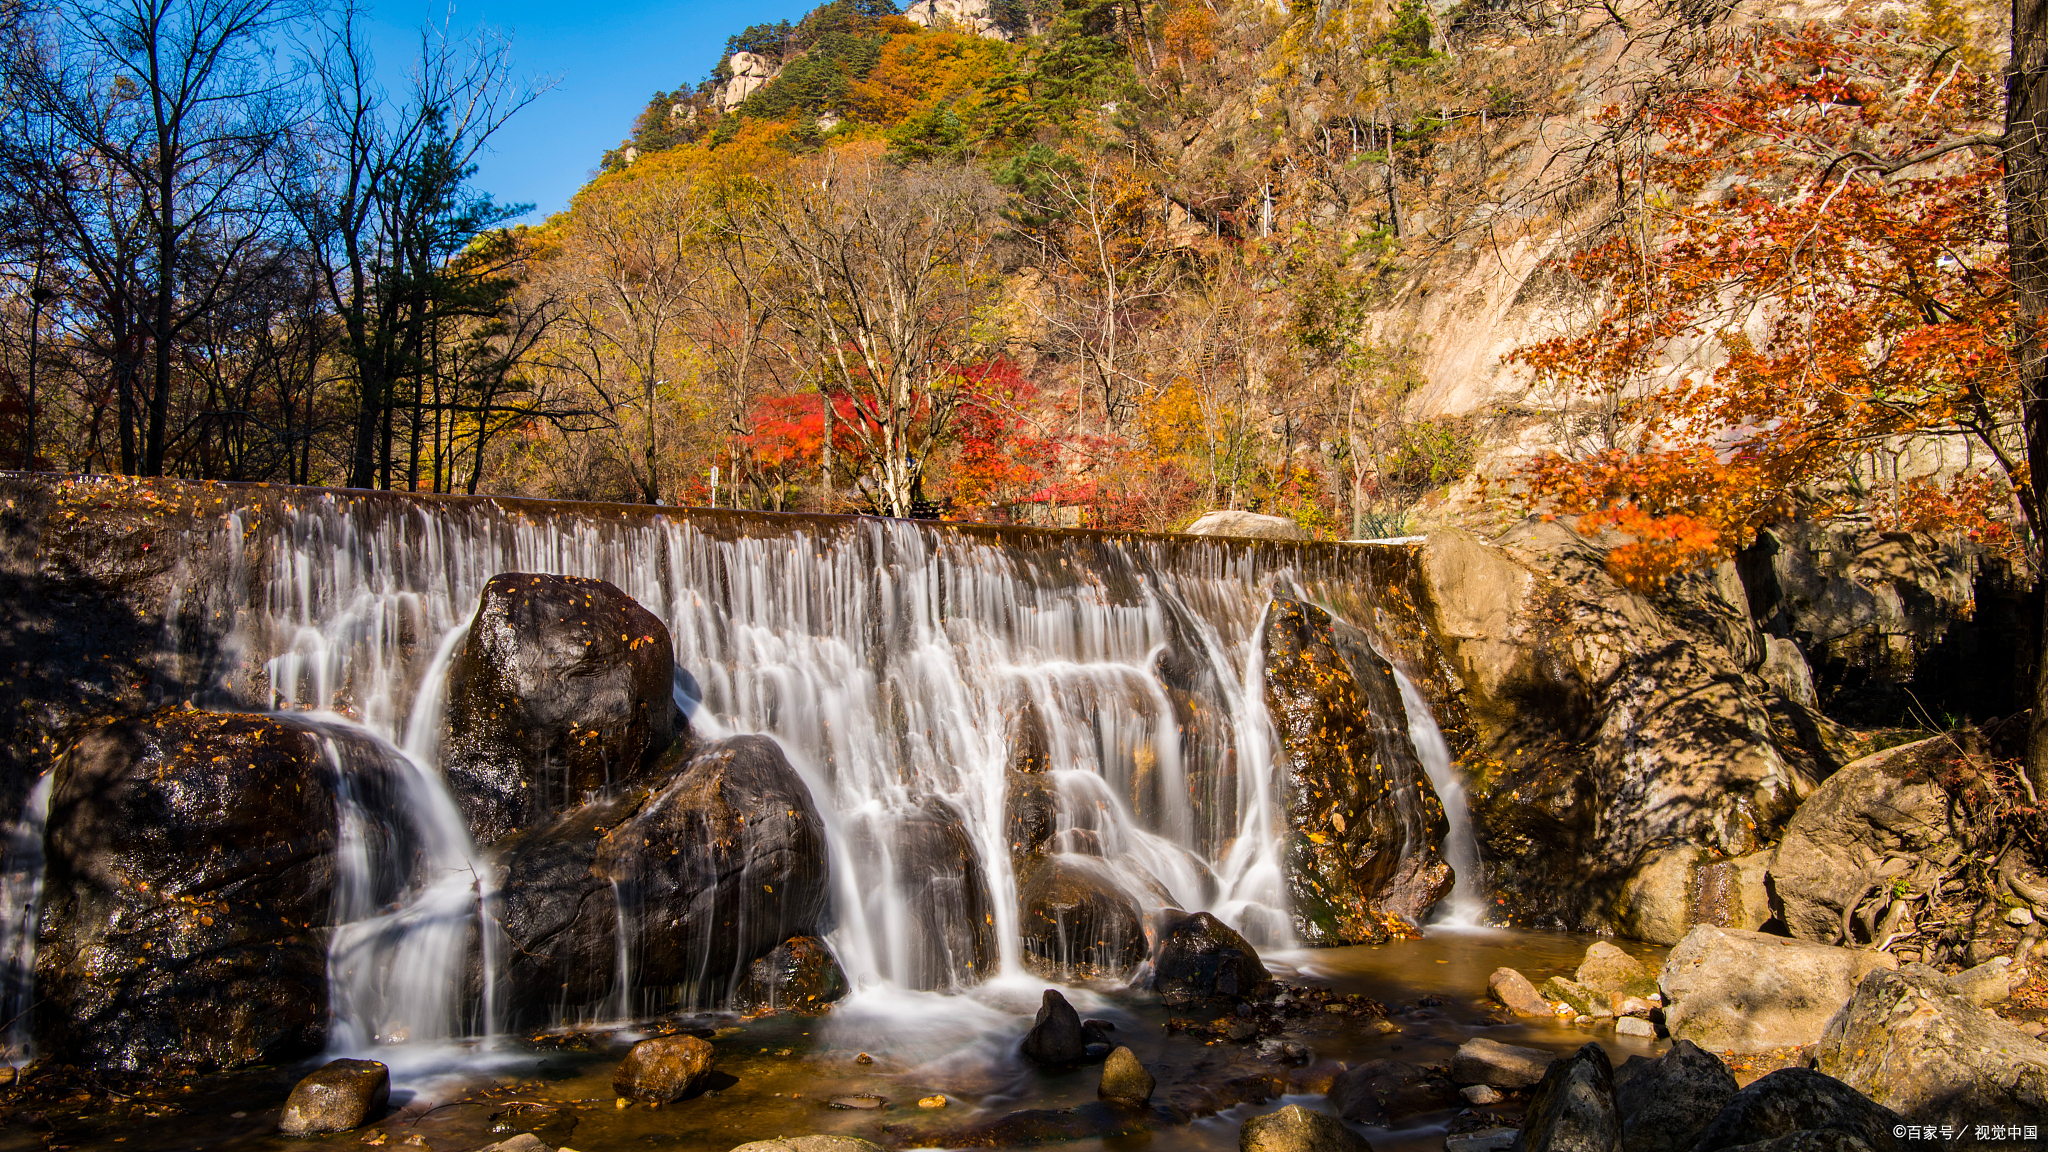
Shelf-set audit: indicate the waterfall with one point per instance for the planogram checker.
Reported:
(889, 659)
(1467, 901)
(21, 893)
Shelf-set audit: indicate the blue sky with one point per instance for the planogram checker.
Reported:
(606, 58)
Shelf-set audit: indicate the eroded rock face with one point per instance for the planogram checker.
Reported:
(1911, 1042)
(716, 863)
(565, 686)
(1201, 958)
(1078, 923)
(1836, 845)
(1732, 991)
(190, 870)
(1612, 730)
(1364, 823)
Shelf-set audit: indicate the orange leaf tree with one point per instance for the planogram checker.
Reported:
(1805, 266)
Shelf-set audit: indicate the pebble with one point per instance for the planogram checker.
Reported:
(1386, 1027)
(1481, 1094)
(1485, 1140)
(1635, 1026)
(862, 1101)
(2019, 916)
(863, 1058)
(932, 1102)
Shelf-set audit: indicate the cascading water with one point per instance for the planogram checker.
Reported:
(890, 660)
(21, 891)
(1466, 903)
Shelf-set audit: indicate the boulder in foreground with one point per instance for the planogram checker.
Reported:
(338, 1096)
(1572, 1109)
(1733, 991)
(1794, 1100)
(662, 1069)
(1490, 1062)
(1296, 1129)
(1666, 1102)
(1202, 958)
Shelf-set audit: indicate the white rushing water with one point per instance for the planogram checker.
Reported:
(21, 897)
(890, 660)
(1466, 904)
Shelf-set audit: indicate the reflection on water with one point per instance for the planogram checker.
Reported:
(779, 1073)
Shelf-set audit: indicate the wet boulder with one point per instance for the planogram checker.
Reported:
(1793, 1100)
(190, 868)
(1364, 824)
(799, 975)
(1296, 1129)
(1665, 1103)
(1058, 1037)
(1608, 971)
(1384, 1092)
(1078, 923)
(662, 1069)
(1516, 994)
(1911, 1042)
(565, 686)
(1201, 958)
(1885, 806)
(1734, 991)
(713, 864)
(338, 1096)
(950, 918)
(1572, 1108)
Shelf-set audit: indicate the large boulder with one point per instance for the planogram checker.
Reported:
(1665, 1103)
(1201, 958)
(1247, 525)
(948, 914)
(1572, 1108)
(1881, 808)
(565, 686)
(338, 1096)
(1364, 824)
(1078, 923)
(1794, 1100)
(189, 871)
(1909, 1041)
(1490, 1062)
(1732, 991)
(712, 865)
(1609, 728)
(798, 975)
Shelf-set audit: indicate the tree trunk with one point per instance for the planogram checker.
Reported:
(2026, 193)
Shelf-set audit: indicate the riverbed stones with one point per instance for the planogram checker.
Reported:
(564, 686)
(1381, 1092)
(1988, 983)
(1733, 991)
(798, 975)
(1296, 1129)
(1614, 973)
(1799, 1100)
(1516, 994)
(1490, 1062)
(1078, 923)
(189, 863)
(1665, 1103)
(1124, 1079)
(1364, 823)
(659, 1070)
(338, 1096)
(1880, 808)
(810, 1144)
(1202, 958)
(1909, 1041)
(1572, 1108)
(1582, 1001)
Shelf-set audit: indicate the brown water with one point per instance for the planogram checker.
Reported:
(777, 1076)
